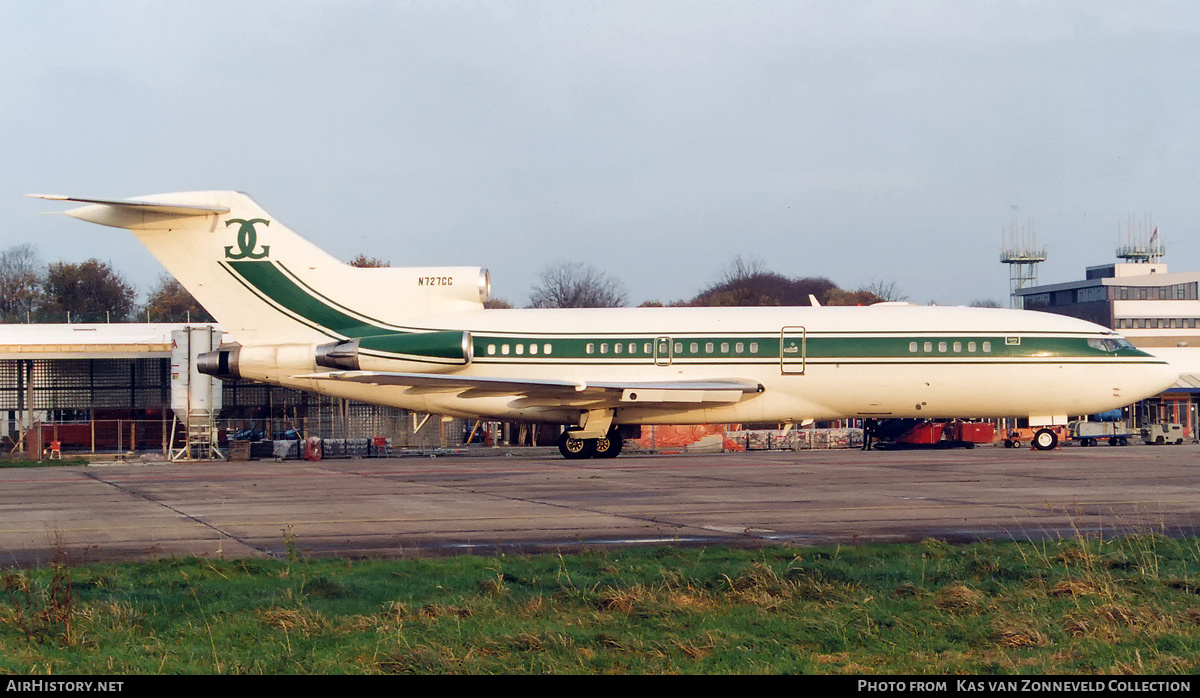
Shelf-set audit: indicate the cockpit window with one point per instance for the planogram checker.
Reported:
(1110, 344)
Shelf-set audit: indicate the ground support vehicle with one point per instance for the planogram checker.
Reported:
(912, 433)
(1087, 433)
(1162, 433)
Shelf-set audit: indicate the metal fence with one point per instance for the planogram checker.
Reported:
(355, 423)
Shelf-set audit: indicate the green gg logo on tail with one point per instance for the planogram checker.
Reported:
(247, 239)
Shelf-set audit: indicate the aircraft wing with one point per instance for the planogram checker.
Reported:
(552, 391)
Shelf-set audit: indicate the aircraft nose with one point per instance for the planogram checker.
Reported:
(1155, 378)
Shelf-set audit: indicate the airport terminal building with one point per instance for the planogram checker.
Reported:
(1144, 302)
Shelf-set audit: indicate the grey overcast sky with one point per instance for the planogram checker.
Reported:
(656, 140)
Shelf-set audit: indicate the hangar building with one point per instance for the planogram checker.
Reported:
(99, 388)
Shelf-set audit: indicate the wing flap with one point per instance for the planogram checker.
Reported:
(721, 390)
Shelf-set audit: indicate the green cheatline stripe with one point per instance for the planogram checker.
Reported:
(445, 346)
(815, 348)
(271, 282)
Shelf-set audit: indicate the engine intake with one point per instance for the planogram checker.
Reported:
(341, 355)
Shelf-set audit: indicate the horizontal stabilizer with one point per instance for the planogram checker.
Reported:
(132, 213)
(723, 390)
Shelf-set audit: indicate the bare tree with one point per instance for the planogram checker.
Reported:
(20, 282)
(885, 290)
(575, 285)
(986, 303)
(740, 270)
(750, 283)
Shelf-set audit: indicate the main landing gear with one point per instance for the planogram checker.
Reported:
(607, 446)
(1043, 440)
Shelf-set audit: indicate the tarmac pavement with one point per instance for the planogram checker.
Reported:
(535, 501)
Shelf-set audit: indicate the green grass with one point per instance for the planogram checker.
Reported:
(1129, 605)
(22, 462)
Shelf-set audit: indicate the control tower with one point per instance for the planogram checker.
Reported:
(1020, 252)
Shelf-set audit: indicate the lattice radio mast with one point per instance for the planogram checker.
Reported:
(1020, 252)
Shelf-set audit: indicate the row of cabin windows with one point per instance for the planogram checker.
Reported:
(943, 347)
(519, 349)
(711, 348)
(648, 348)
(630, 348)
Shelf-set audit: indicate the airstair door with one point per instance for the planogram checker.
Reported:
(662, 351)
(792, 350)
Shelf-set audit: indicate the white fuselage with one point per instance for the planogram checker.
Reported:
(875, 362)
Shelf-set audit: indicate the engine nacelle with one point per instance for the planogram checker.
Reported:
(220, 363)
(271, 362)
(397, 352)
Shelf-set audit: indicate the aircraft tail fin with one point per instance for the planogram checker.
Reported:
(267, 285)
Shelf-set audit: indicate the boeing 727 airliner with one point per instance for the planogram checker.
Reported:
(420, 339)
